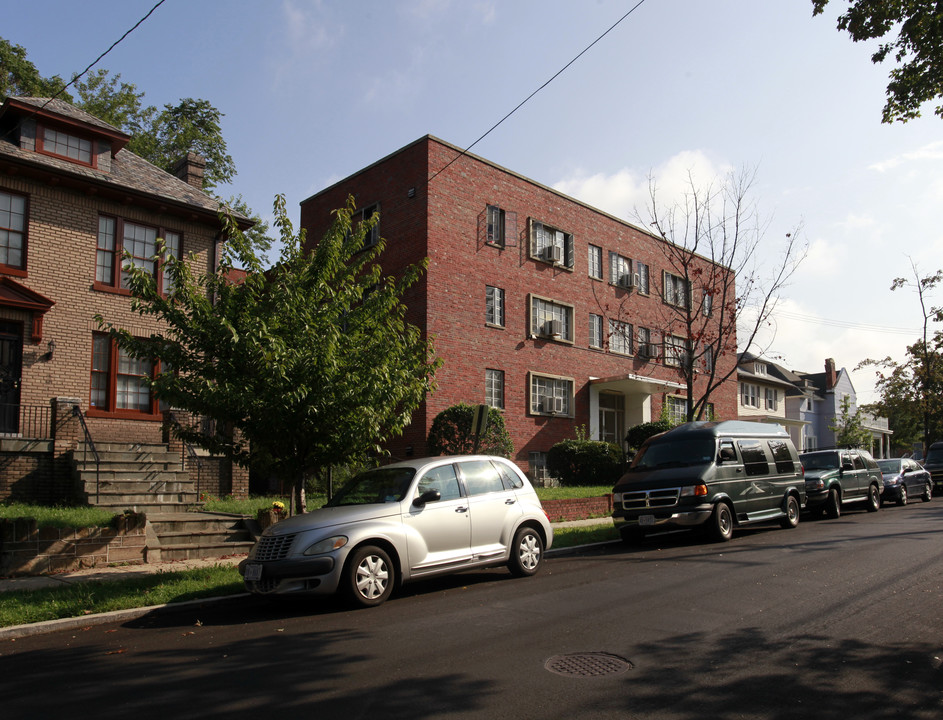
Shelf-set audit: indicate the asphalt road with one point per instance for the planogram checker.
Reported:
(835, 619)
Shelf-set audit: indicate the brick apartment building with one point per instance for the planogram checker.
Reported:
(540, 305)
(71, 198)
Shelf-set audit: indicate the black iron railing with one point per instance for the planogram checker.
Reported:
(26, 421)
(89, 445)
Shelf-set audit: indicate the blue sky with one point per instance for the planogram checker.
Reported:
(315, 90)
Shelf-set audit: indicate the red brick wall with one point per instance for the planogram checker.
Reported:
(442, 222)
(577, 508)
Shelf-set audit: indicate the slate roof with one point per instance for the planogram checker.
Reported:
(129, 172)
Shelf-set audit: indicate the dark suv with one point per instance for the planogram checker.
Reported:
(934, 463)
(837, 477)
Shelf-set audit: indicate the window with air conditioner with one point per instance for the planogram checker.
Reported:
(620, 270)
(550, 245)
(551, 395)
(551, 319)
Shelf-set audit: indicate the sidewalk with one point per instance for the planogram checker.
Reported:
(35, 582)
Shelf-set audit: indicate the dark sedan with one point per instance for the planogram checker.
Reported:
(903, 479)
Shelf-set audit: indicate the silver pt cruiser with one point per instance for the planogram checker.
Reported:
(402, 522)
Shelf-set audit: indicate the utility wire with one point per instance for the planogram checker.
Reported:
(525, 100)
(844, 324)
(98, 59)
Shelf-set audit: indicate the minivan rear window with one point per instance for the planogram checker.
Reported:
(780, 451)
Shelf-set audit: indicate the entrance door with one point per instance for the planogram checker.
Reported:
(11, 367)
(612, 417)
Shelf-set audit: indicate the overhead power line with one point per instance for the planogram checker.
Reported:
(812, 320)
(525, 100)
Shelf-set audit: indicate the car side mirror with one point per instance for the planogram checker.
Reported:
(726, 455)
(427, 497)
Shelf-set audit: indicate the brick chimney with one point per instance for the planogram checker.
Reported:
(190, 169)
(831, 377)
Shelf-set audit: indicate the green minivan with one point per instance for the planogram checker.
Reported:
(710, 475)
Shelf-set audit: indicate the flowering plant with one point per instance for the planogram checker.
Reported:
(278, 507)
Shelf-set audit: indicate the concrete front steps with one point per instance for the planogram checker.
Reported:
(139, 477)
(192, 535)
(148, 479)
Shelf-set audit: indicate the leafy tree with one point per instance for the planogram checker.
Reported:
(451, 433)
(849, 429)
(716, 294)
(578, 463)
(18, 76)
(311, 362)
(918, 25)
(117, 103)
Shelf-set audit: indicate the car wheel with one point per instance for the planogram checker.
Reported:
(792, 513)
(874, 499)
(720, 523)
(928, 492)
(833, 504)
(632, 536)
(902, 495)
(527, 552)
(370, 576)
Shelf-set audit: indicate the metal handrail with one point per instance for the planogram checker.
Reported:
(89, 443)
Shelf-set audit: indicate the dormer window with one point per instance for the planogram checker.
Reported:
(759, 368)
(64, 145)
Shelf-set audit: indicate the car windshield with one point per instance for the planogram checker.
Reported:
(820, 461)
(674, 453)
(382, 485)
(889, 466)
(935, 455)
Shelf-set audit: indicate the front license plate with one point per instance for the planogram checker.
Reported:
(644, 521)
(253, 573)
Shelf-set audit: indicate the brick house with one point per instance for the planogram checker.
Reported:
(71, 198)
(540, 305)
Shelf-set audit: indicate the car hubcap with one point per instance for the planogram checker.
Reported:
(530, 552)
(372, 577)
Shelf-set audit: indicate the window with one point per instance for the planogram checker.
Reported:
(595, 331)
(759, 368)
(551, 245)
(117, 382)
(676, 290)
(642, 270)
(494, 306)
(674, 350)
(550, 319)
(71, 147)
(707, 304)
(550, 395)
(620, 271)
(481, 477)
(754, 459)
(782, 457)
(677, 409)
(443, 479)
(707, 358)
(646, 348)
(496, 226)
(366, 215)
(750, 395)
(611, 417)
(12, 230)
(140, 242)
(620, 337)
(811, 443)
(771, 396)
(494, 388)
(594, 262)
(537, 461)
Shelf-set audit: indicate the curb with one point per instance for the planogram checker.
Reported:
(15, 632)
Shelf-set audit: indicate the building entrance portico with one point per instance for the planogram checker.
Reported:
(621, 402)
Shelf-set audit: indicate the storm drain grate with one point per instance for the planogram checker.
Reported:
(587, 664)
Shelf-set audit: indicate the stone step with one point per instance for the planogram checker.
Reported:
(118, 505)
(182, 536)
(191, 552)
(88, 459)
(137, 487)
(128, 466)
(135, 476)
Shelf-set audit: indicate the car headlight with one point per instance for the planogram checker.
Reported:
(694, 490)
(326, 545)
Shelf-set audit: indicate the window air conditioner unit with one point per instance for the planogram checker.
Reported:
(629, 280)
(552, 328)
(553, 254)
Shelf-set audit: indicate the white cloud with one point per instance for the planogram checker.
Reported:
(932, 151)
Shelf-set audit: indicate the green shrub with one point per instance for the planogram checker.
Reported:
(640, 433)
(451, 433)
(585, 462)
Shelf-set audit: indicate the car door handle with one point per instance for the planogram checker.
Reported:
(461, 509)
(510, 501)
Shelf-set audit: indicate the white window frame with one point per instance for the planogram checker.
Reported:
(677, 291)
(674, 350)
(494, 388)
(771, 398)
(595, 331)
(594, 262)
(497, 221)
(620, 337)
(643, 277)
(494, 306)
(620, 270)
(543, 237)
(750, 395)
(677, 409)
